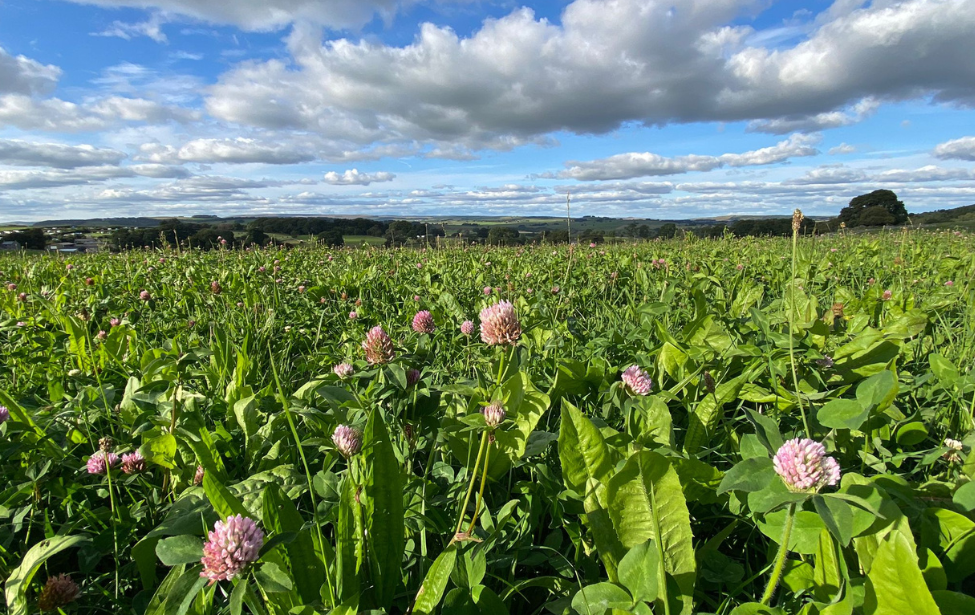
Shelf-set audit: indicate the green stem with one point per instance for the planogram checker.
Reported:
(773, 581)
(792, 352)
(470, 488)
(480, 493)
(304, 462)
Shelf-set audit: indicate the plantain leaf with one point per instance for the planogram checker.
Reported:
(281, 516)
(20, 577)
(384, 516)
(646, 502)
(224, 503)
(434, 584)
(708, 412)
(587, 462)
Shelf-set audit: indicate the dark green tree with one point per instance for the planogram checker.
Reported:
(331, 238)
(503, 236)
(667, 231)
(30, 239)
(851, 214)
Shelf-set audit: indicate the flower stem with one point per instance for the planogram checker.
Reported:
(773, 581)
(792, 352)
(470, 488)
(480, 493)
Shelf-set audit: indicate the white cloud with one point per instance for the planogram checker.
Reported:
(842, 149)
(152, 28)
(957, 149)
(637, 164)
(57, 155)
(353, 177)
(21, 75)
(604, 65)
(820, 121)
(56, 115)
(19, 179)
(235, 151)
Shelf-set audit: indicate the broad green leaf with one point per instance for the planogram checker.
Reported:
(638, 571)
(766, 429)
(184, 591)
(384, 516)
(806, 528)
(587, 462)
(598, 598)
(281, 516)
(272, 579)
(435, 582)
(877, 392)
(895, 585)
(179, 550)
(749, 475)
(837, 516)
(843, 414)
(646, 502)
(965, 496)
(348, 548)
(223, 501)
(237, 596)
(160, 450)
(20, 577)
(952, 603)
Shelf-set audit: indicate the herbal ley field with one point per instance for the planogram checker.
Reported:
(746, 426)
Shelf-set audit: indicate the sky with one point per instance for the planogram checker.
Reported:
(631, 108)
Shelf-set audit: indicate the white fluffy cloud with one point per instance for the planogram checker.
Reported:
(606, 64)
(56, 155)
(21, 75)
(958, 149)
(643, 164)
(353, 177)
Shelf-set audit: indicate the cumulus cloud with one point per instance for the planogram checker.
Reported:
(57, 155)
(353, 177)
(957, 149)
(642, 164)
(604, 65)
(22, 75)
(846, 175)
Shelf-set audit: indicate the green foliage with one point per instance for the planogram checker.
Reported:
(588, 497)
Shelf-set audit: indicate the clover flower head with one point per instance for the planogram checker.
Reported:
(145, 296)
(343, 370)
(500, 325)
(198, 475)
(4, 414)
(100, 462)
(804, 466)
(493, 414)
(423, 322)
(467, 327)
(347, 440)
(133, 463)
(637, 380)
(58, 591)
(412, 376)
(378, 346)
(232, 545)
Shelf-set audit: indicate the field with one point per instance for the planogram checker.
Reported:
(620, 437)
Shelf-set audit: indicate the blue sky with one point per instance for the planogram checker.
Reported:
(637, 108)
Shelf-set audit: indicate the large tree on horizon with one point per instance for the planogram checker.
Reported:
(876, 208)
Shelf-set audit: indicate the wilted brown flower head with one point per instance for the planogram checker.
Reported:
(58, 591)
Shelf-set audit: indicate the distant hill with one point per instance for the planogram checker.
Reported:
(103, 222)
(958, 215)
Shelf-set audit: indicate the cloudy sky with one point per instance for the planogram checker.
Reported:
(643, 108)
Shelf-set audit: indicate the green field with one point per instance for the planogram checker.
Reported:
(617, 437)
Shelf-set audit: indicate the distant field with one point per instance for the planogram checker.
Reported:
(356, 240)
